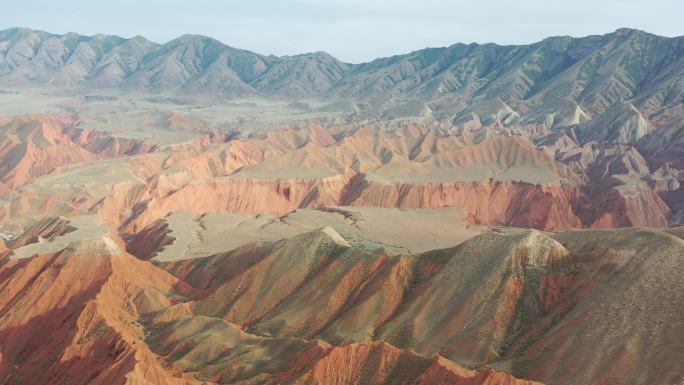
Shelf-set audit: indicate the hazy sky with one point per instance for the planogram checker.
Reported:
(352, 30)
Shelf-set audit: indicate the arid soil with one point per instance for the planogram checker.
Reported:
(316, 309)
(190, 213)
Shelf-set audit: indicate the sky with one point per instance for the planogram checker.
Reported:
(351, 30)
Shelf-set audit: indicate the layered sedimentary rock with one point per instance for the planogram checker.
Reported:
(92, 314)
(35, 145)
(150, 234)
(514, 180)
(562, 308)
(506, 300)
(69, 317)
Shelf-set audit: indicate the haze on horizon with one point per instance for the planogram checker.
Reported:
(352, 30)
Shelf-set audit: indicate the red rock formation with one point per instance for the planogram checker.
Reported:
(34, 145)
(380, 363)
(45, 229)
(67, 317)
(496, 203)
(637, 206)
(91, 314)
(287, 169)
(494, 299)
(147, 242)
(77, 317)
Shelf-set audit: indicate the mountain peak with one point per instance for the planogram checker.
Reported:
(627, 31)
(194, 39)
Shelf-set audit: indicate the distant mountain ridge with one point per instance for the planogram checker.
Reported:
(559, 81)
(71, 59)
(190, 63)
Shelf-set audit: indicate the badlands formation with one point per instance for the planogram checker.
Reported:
(190, 213)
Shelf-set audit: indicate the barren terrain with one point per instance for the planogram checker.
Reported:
(192, 213)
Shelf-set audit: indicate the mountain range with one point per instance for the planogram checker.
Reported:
(595, 72)
(629, 81)
(190, 213)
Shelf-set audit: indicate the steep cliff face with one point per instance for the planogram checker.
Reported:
(625, 207)
(498, 179)
(146, 242)
(488, 203)
(496, 203)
